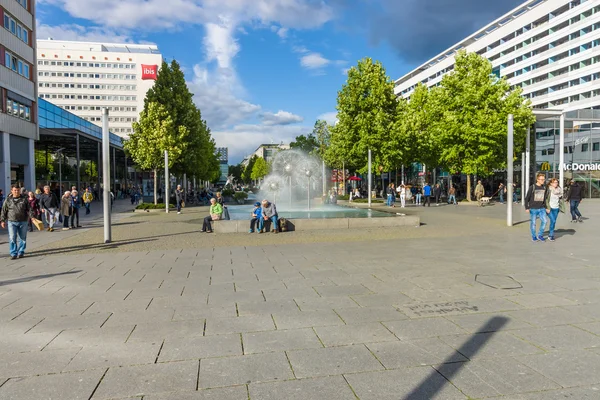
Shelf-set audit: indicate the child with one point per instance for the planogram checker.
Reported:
(256, 217)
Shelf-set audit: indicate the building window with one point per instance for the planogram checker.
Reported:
(14, 27)
(596, 146)
(17, 65)
(18, 110)
(585, 147)
(23, 3)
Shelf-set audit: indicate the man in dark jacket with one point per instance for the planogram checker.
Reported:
(179, 198)
(15, 213)
(535, 203)
(49, 204)
(575, 195)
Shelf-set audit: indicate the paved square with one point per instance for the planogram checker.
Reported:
(165, 312)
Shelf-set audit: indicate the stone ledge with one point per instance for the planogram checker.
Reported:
(242, 226)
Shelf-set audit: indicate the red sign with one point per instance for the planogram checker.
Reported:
(149, 72)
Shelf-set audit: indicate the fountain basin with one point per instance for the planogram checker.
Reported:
(325, 218)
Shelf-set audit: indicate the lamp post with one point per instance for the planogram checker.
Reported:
(59, 154)
(288, 170)
(308, 175)
(510, 173)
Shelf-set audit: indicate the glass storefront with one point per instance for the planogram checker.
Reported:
(582, 149)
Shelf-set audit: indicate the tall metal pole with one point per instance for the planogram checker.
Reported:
(344, 178)
(527, 161)
(106, 175)
(324, 183)
(370, 179)
(402, 180)
(561, 149)
(308, 192)
(167, 192)
(78, 163)
(60, 174)
(523, 187)
(510, 172)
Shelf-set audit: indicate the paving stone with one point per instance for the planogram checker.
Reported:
(487, 378)
(67, 386)
(280, 340)
(582, 296)
(185, 313)
(587, 393)
(418, 383)
(559, 337)
(156, 332)
(176, 349)
(476, 323)
(593, 327)
(107, 355)
(370, 314)
(488, 345)
(18, 326)
(409, 354)
(332, 361)
(589, 310)
(329, 388)
(382, 300)
(422, 328)
(228, 393)
(267, 307)
(90, 337)
(568, 368)
(354, 334)
(549, 316)
(148, 379)
(541, 300)
(36, 362)
(341, 290)
(249, 323)
(25, 342)
(324, 303)
(228, 371)
(306, 319)
(57, 324)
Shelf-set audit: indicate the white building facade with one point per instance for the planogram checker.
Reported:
(551, 49)
(84, 77)
(18, 94)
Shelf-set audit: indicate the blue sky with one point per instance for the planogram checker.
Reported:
(263, 71)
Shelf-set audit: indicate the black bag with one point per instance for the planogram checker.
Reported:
(282, 225)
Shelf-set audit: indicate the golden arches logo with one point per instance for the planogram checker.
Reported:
(546, 166)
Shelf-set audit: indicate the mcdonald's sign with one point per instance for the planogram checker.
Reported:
(546, 166)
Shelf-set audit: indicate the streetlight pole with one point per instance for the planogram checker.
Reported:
(106, 175)
(510, 173)
(370, 179)
(167, 191)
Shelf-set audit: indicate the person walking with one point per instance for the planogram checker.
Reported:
(437, 192)
(479, 193)
(393, 193)
(535, 204)
(34, 206)
(75, 206)
(65, 209)
(427, 194)
(402, 192)
(452, 195)
(87, 200)
(216, 211)
(1, 196)
(178, 198)
(575, 196)
(15, 213)
(501, 190)
(49, 204)
(554, 204)
(418, 195)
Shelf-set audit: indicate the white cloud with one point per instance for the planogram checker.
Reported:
(329, 117)
(282, 32)
(78, 32)
(314, 61)
(280, 118)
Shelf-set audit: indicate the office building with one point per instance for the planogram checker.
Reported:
(223, 156)
(266, 151)
(84, 77)
(551, 49)
(18, 93)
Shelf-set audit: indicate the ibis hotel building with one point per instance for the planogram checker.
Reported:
(84, 77)
(551, 49)
(18, 94)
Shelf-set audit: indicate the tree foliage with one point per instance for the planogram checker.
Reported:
(237, 171)
(260, 169)
(322, 135)
(305, 143)
(367, 110)
(247, 173)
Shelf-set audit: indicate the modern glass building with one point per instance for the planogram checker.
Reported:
(69, 152)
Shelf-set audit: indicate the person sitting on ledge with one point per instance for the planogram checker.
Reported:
(269, 212)
(216, 211)
(256, 217)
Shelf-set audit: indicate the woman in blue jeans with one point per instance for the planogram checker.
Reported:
(553, 203)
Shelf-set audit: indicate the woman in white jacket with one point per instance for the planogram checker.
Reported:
(402, 192)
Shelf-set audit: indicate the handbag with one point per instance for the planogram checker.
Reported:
(37, 223)
(215, 217)
(182, 204)
(561, 205)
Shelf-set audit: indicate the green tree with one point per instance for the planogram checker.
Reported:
(306, 143)
(367, 109)
(171, 91)
(236, 171)
(475, 104)
(260, 169)
(247, 174)
(322, 136)
(44, 163)
(152, 135)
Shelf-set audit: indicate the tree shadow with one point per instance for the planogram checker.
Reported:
(36, 277)
(432, 385)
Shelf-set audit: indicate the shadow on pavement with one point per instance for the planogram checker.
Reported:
(36, 277)
(564, 232)
(99, 246)
(432, 385)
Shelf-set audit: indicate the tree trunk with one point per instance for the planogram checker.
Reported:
(155, 186)
(468, 187)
